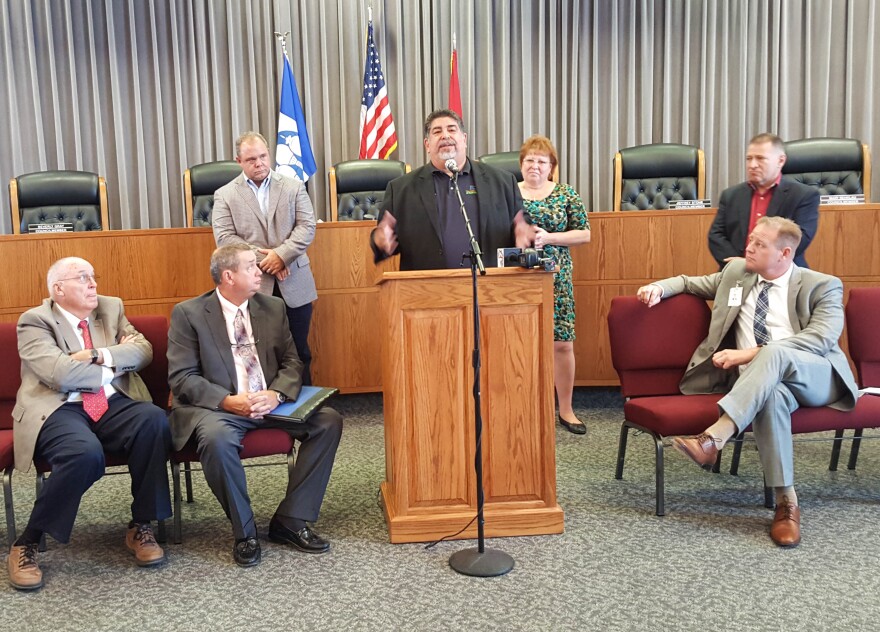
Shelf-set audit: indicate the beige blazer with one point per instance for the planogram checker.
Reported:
(48, 375)
(288, 227)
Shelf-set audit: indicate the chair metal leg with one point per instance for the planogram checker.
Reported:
(835, 450)
(658, 472)
(178, 527)
(737, 453)
(659, 477)
(621, 451)
(7, 502)
(161, 533)
(854, 449)
(769, 500)
(716, 468)
(187, 469)
(39, 483)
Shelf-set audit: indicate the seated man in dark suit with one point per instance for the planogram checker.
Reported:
(768, 193)
(231, 360)
(421, 219)
(79, 397)
(772, 347)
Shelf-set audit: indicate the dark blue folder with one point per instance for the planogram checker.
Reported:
(310, 399)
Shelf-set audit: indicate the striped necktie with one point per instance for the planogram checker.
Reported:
(95, 404)
(762, 337)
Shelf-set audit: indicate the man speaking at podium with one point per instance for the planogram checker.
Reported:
(421, 220)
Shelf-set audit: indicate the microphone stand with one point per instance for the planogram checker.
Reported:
(478, 562)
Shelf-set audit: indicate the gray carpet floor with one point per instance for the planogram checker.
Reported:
(708, 564)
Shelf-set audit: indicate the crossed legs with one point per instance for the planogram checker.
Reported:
(778, 381)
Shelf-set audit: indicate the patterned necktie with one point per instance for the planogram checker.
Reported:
(762, 337)
(245, 350)
(95, 404)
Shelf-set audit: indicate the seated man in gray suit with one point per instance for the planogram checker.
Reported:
(421, 218)
(273, 215)
(766, 192)
(231, 360)
(79, 397)
(772, 347)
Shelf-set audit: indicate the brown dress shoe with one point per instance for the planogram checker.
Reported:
(702, 449)
(140, 540)
(786, 528)
(24, 574)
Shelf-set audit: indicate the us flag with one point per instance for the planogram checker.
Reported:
(378, 138)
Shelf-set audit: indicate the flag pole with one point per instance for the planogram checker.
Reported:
(293, 151)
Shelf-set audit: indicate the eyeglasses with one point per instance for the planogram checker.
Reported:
(83, 278)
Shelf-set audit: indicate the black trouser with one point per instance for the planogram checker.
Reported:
(74, 447)
(300, 319)
(219, 436)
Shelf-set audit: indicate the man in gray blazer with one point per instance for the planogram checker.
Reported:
(79, 397)
(231, 360)
(772, 347)
(421, 218)
(273, 215)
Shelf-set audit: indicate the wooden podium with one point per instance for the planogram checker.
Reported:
(426, 320)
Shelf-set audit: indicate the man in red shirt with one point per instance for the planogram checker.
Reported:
(766, 192)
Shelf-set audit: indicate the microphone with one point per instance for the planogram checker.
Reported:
(451, 165)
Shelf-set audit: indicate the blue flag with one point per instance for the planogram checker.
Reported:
(293, 152)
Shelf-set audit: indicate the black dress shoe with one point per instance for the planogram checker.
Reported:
(247, 552)
(305, 539)
(573, 428)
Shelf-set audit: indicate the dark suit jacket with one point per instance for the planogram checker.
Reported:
(201, 369)
(815, 310)
(410, 199)
(798, 202)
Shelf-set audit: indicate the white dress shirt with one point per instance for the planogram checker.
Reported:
(778, 322)
(106, 370)
(229, 311)
(262, 192)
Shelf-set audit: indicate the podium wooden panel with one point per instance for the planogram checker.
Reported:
(427, 328)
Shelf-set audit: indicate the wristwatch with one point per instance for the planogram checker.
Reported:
(94, 356)
(281, 397)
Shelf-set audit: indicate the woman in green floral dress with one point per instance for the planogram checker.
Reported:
(559, 213)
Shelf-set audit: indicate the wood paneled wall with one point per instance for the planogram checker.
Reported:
(152, 270)
(630, 249)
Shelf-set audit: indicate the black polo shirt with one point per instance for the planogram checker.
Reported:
(453, 233)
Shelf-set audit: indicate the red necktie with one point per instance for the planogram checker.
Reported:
(95, 404)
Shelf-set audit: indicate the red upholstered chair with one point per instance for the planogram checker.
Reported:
(10, 380)
(256, 443)
(650, 350)
(864, 348)
(863, 336)
(155, 375)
